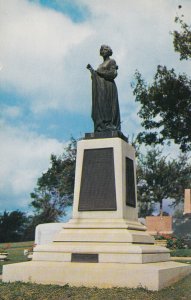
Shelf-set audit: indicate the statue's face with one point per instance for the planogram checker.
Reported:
(104, 51)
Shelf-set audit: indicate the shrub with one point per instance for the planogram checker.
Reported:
(173, 242)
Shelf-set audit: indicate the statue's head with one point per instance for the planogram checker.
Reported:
(105, 50)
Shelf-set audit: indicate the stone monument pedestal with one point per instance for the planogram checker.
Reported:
(103, 245)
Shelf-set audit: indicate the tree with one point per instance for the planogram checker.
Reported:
(159, 179)
(165, 108)
(12, 226)
(166, 103)
(55, 187)
(182, 39)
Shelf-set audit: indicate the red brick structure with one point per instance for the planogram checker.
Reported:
(187, 201)
(159, 225)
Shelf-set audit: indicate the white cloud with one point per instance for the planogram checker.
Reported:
(34, 45)
(23, 157)
(44, 54)
(11, 111)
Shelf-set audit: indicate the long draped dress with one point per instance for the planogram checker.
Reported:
(105, 106)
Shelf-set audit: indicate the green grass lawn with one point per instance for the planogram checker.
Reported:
(15, 253)
(181, 252)
(20, 291)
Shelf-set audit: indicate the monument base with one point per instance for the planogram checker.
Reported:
(103, 245)
(101, 253)
(153, 276)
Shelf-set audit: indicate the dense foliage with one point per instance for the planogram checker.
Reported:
(165, 108)
(182, 39)
(173, 242)
(12, 226)
(159, 178)
(165, 104)
(55, 187)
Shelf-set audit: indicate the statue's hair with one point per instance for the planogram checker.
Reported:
(109, 49)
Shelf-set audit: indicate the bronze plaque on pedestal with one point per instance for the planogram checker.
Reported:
(130, 183)
(97, 190)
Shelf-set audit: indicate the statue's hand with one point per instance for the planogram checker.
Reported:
(89, 67)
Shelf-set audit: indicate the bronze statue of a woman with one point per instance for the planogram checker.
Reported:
(105, 106)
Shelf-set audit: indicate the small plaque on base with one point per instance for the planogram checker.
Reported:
(84, 257)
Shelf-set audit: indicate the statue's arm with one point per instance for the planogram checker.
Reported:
(109, 73)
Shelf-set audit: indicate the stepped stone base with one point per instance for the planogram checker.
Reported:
(100, 253)
(119, 241)
(104, 245)
(153, 276)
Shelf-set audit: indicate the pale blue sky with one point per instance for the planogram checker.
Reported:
(45, 95)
